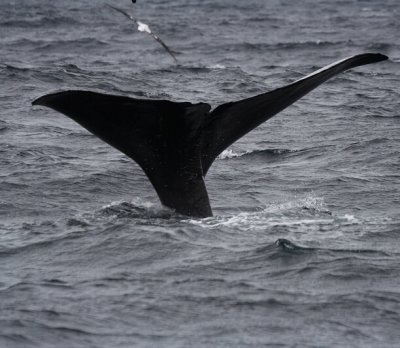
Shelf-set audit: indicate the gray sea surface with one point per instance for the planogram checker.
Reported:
(304, 247)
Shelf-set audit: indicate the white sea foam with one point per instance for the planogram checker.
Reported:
(217, 66)
(136, 208)
(350, 219)
(231, 154)
(290, 213)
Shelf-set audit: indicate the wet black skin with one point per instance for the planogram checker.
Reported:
(176, 143)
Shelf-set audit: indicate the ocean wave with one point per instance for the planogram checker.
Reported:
(136, 209)
(309, 210)
(33, 245)
(40, 44)
(294, 45)
(15, 339)
(287, 245)
(86, 42)
(363, 144)
(14, 68)
(39, 22)
(217, 67)
(229, 153)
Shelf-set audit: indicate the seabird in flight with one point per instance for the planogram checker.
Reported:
(144, 28)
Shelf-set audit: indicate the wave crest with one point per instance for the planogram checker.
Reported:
(136, 209)
(229, 153)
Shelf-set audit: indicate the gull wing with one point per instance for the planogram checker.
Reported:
(144, 28)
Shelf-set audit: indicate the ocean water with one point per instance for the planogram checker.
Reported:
(303, 249)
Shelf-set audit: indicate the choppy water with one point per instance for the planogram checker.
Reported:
(304, 248)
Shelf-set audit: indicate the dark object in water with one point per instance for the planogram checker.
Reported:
(176, 143)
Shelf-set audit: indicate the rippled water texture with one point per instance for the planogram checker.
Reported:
(303, 250)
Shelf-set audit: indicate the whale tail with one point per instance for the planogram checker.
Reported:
(176, 143)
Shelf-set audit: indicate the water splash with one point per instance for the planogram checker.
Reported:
(137, 208)
(229, 153)
(309, 210)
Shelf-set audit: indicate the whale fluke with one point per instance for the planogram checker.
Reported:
(176, 143)
(235, 119)
(163, 137)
